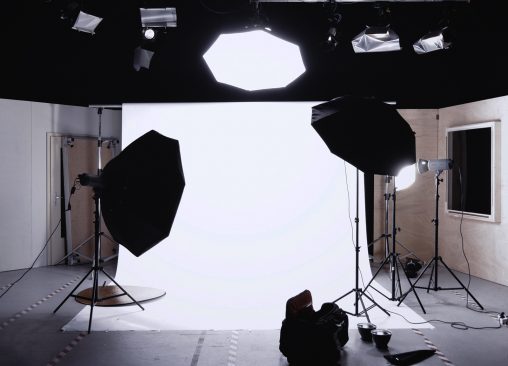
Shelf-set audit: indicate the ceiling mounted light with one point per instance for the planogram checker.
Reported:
(254, 60)
(432, 41)
(142, 58)
(156, 18)
(149, 33)
(331, 41)
(376, 39)
(86, 22)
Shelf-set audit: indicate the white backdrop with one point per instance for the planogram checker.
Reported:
(267, 211)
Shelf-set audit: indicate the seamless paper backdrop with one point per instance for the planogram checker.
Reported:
(267, 211)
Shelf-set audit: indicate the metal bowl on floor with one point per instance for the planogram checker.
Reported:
(365, 330)
(381, 337)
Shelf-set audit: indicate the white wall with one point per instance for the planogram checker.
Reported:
(23, 192)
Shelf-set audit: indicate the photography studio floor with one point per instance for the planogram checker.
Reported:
(30, 334)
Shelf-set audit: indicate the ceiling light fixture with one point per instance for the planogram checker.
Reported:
(142, 58)
(86, 22)
(149, 33)
(156, 18)
(331, 41)
(432, 41)
(376, 39)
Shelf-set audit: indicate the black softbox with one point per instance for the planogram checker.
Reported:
(142, 188)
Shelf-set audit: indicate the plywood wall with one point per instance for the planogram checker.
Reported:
(414, 205)
(485, 243)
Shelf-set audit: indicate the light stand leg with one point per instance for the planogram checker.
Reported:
(357, 290)
(394, 261)
(95, 272)
(436, 259)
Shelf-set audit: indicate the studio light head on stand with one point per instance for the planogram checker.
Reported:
(438, 166)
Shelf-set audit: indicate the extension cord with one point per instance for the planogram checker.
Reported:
(503, 319)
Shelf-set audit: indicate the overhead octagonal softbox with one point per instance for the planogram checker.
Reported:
(142, 188)
(367, 133)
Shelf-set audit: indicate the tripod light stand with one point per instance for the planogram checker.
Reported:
(440, 165)
(150, 163)
(347, 125)
(74, 253)
(385, 235)
(394, 261)
(357, 290)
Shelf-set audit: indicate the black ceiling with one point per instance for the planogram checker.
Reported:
(43, 59)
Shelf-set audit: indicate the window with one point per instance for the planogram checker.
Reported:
(474, 180)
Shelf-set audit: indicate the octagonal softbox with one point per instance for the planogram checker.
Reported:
(142, 188)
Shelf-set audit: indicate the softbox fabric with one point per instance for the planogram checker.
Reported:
(143, 186)
(367, 133)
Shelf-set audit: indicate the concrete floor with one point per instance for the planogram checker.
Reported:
(30, 333)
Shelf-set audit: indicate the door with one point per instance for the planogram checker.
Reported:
(69, 157)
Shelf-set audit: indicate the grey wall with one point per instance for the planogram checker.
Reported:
(23, 193)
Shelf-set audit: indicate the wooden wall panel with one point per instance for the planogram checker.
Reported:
(485, 243)
(414, 205)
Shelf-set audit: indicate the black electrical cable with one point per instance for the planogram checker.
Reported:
(456, 325)
(33, 264)
(73, 189)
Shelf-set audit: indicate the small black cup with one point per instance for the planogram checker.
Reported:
(365, 331)
(381, 337)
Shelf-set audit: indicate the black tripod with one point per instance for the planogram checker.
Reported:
(386, 235)
(359, 293)
(394, 260)
(95, 182)
(437, 258)
(96, 268)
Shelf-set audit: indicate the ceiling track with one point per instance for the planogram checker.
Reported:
(360, 1)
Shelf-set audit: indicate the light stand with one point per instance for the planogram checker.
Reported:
(386, 235)
(437, 258)
(394, 260)
(359, 293)
(96, 268)
(95, 182)
(75, 251)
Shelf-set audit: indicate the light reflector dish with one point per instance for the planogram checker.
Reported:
(86, 22)
(376, 39)
(432, 41)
